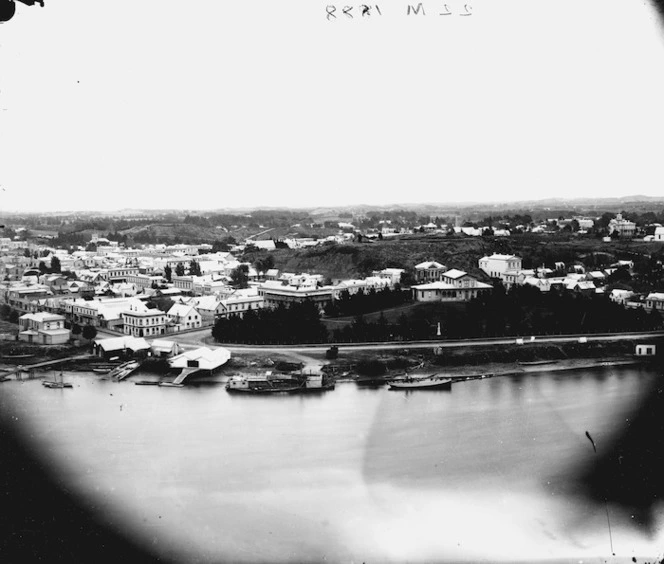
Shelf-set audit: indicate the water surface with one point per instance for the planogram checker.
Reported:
(486, 472)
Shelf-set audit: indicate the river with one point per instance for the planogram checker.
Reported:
(488, 471)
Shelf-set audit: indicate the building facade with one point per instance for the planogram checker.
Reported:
(144, 323)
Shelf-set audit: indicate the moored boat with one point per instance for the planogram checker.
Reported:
(264, 384)
(536, 362)
(57, 384)
(316, 383)
(48, 384)
(270, 383)
(430, 382)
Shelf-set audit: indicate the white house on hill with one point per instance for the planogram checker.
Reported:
(456, 286)
(497, 265)
(430, 271)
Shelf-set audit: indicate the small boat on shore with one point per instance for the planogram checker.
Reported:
(124, 369)
(370, 380)
(147, 383)
(430, 382)
(17, 356)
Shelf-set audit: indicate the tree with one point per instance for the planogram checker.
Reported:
(75, 330)
(89, 332)
(264, 264)
(407, 278)
(194, 268)
(179, 269)
(42, 267)
(240, 276)
(224, 245)
(55, 265)
(168, 273)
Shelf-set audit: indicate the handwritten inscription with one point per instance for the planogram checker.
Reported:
(334, 12)
(352, 12)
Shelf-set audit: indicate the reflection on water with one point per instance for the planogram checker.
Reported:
(487, 471)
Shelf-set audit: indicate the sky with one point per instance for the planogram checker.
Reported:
(210, 104)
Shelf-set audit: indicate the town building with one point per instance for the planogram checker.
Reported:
(497, 265)
(43, 328)
(24, 298)
(391, 274)
(655, 300)
(236, 305)
(210, 308)
(275, 293)
(120, 348)
(182, 317)
(623, 227)
(430, 271)
(456, 286)
(184, 283)
(105, 313)
(144, 323)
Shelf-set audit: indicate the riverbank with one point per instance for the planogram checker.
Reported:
(459, 363)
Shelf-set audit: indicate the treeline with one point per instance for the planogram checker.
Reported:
(524, 310)
(415, 328)
(299, 323)
(365, 302)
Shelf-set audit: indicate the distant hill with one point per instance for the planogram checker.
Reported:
(635, 201)
(360, 259)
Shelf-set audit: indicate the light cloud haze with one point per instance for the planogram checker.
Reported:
(207, 104)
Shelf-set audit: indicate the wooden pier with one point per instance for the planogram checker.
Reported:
(29, 370)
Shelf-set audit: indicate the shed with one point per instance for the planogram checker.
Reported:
(646, 350)
(163, 348)
(122, 347)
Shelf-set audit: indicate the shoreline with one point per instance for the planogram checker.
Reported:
(457, 373)
(495, 370)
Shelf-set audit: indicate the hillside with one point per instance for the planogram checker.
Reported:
(359, 259)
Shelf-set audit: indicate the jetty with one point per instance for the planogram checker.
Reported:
(183, 374)
(29, 369)
(124, 370)
(202, 359)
